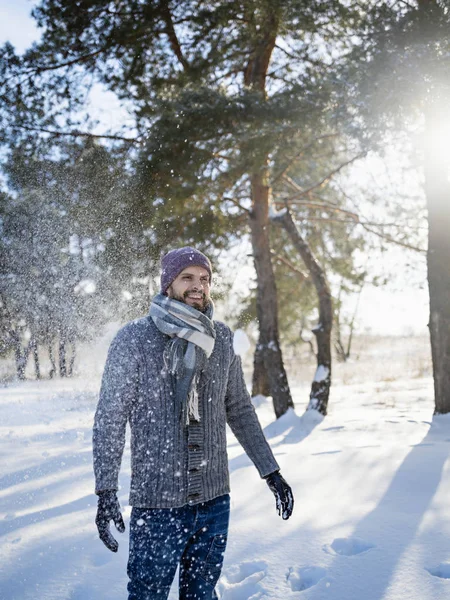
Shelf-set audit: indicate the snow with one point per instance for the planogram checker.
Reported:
(274, 213)
(241, 343)
(322, 373)
(85, 287)
(371, 483)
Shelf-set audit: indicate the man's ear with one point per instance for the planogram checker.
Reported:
(169, 292)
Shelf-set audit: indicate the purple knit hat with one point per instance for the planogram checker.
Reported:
(177, 260)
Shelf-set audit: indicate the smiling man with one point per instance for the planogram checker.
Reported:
(191, 286)
(175, 378)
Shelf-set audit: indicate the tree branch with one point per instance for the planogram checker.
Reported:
(297, 156)
(292, 267)
(327, 206)
(326, 178)
(355, 220)
(288, 54)
(69, 63)
(325, 219)
(172, 35)
(390, 239)
(236, 203)
(322, 205)
(79, 134)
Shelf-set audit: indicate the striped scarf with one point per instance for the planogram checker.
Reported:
(192, 342)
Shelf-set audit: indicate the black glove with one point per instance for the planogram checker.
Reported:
(282, 492)
(108, 509)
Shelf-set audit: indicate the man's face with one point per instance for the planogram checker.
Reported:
(191, 287)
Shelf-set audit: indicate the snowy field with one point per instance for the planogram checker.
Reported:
(371, 483)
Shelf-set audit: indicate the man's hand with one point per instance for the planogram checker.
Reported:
(282, 492)
(108, 509)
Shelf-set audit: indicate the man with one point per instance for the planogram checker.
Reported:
(175, 377)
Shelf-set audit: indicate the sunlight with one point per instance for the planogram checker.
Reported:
(436, 141)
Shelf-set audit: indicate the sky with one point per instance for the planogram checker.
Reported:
(400, 308)
(16, 24)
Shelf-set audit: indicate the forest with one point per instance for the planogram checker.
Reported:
(242, 121)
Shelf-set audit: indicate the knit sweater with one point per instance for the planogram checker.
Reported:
(172, 463)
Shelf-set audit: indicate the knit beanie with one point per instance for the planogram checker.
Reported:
(177, 260)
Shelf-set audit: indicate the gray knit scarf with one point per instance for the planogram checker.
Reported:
(192, 342)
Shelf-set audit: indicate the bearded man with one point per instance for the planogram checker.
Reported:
(176, 379)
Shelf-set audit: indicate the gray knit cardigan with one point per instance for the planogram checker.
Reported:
(172, 464)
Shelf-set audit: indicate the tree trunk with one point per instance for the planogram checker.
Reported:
(320, 388)
(37, 369)
(21, 363)
(437, 189)
(72, 359)
(52, 360)
(266, 299)
(338, 343)
(352, 323)
(21, 355)
(342, 352)
(260, 381)
(255, 74)
(62, 358)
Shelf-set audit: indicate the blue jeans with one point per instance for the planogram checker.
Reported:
(193, 537)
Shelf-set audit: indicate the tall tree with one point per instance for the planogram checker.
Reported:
(320, 389)
(402, 67)
(216, 90)
(330, 234)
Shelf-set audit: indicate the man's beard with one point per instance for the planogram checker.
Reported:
(197, 304)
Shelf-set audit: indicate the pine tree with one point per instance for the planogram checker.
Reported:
(216, 89)
(399, 74)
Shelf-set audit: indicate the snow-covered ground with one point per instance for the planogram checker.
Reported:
(371, 483)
